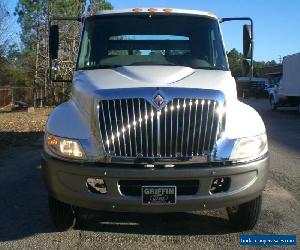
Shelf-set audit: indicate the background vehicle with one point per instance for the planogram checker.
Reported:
(252, 87)
(272, 87)
(154, 124)
(287, 92)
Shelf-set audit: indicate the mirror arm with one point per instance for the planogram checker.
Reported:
(228, 19)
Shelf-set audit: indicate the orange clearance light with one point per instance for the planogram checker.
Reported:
(152, 10)
(52, 141)
(167, 10)
(137, 10)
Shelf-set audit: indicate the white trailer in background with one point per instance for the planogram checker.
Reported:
(287, 94)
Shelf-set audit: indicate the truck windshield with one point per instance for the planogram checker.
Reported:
(130, 40)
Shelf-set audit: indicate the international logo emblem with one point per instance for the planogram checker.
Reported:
(158, 100)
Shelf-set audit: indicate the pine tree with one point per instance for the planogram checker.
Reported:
(34, 17)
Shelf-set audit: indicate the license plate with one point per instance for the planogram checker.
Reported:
(158, 195)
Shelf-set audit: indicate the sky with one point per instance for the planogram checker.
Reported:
(276, 22)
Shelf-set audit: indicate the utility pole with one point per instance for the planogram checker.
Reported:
(280, 59)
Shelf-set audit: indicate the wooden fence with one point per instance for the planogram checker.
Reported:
(57, 94)
(13, 95)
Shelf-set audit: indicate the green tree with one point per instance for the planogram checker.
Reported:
(99, 5)
(258, 66)
(29, 14)
(235, 60)
(6, 31)
(12, 72)
(34, 17)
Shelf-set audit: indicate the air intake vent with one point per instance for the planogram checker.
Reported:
(183, 128)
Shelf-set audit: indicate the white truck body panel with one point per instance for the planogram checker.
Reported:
(156, 76)
(290, 85)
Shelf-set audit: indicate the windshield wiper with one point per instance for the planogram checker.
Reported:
(211, 68)
(101, 67)
(118, 65)
(151, 64)
(146, 64)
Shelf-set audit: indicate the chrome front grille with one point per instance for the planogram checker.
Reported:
(183, 128)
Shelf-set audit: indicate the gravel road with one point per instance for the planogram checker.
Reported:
(22, 128)
(25, 222)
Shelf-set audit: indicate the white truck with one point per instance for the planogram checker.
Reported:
(287, 91)
(154, 124)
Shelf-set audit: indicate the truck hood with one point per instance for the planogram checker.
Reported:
(155, 76)
(90, 85)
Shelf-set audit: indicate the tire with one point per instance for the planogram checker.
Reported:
(245, 216)
(62, 214)
(273, 103)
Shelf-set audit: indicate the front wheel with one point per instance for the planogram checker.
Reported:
(245, 216)
(62, 214)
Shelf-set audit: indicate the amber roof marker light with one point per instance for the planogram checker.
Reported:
(152, 10)
(211, 14)
(167, 10)
(137, 10)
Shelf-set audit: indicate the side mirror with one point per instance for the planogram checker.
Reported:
(247, 41)
(53, 41)
(246, 66)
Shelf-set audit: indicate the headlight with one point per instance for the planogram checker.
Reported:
(250, 148)
(63, 147)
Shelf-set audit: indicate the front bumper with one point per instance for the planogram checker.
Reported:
(67, 182)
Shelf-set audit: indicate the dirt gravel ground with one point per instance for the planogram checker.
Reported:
(22, 128)
(25, 222)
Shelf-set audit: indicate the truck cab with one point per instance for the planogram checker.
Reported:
(153, 124)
